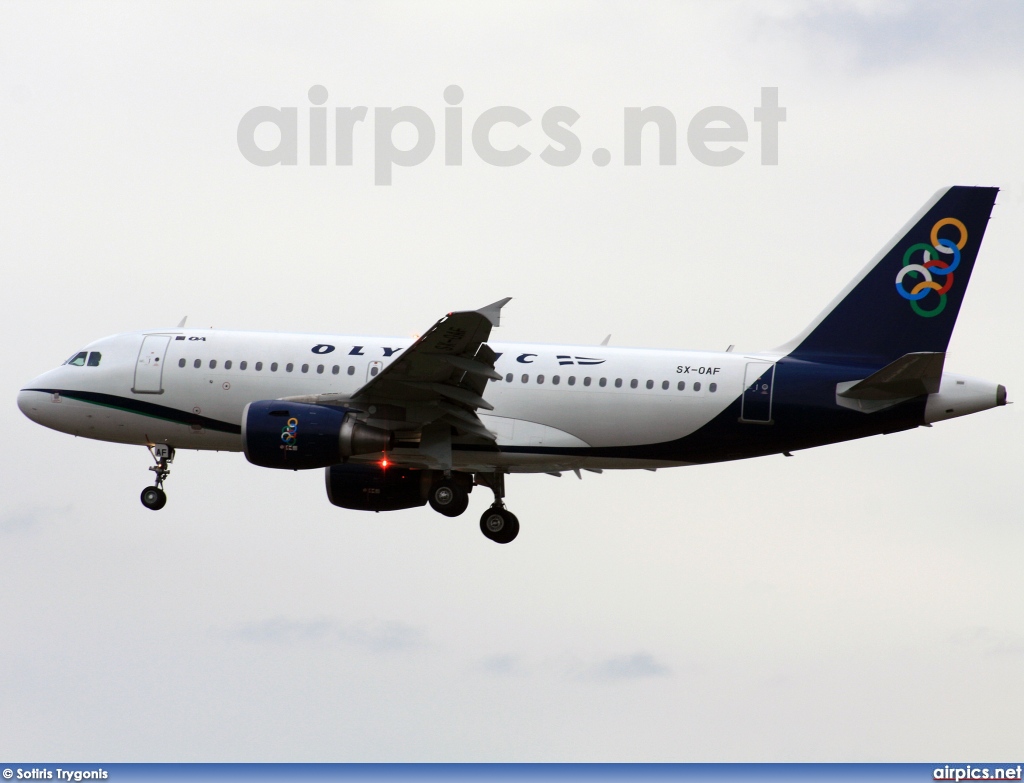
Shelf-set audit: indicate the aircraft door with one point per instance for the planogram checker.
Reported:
(149, 368)
(372, 369)
(757, 393)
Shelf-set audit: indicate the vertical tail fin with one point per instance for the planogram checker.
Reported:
(907, 299)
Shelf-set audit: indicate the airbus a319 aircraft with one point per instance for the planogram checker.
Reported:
(397, 423)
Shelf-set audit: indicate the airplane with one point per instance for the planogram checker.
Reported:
(398, 423)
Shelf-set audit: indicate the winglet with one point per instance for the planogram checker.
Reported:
(182, 323)
(493, 311)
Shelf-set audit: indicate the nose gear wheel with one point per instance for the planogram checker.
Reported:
(154, 498)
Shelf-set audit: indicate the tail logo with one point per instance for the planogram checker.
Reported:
(930, 265)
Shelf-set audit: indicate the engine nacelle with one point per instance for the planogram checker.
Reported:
(298, 436)
(374, 488)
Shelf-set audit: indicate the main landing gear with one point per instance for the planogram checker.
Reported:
(497, 523)
(154, 498)
(449, 495)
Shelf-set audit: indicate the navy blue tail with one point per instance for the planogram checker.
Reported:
(907, 299)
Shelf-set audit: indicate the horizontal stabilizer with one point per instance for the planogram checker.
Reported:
(911, 375)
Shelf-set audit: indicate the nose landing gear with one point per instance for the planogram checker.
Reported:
(154, 498)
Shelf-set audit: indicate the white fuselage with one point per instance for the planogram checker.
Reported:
(550, 396)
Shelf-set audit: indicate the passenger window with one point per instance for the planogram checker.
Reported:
(259, 366)
(319, 369)
(681, 385)
(712, 387)
(618, 383)
(305, 368)
(78, 360)
(181, 362)
(508, 378)
(633, 383)
(351, 370)
(273, 366)
(227, 365)
(572, 380)
(213, 364)
(289, 367)
(374, 370)
(696, 385)
(94, 359)
(197, 363)
(335, 370)
(586, 381)
(526, 379)
(540, 379)
(603, 382)
(555, 379)
(664, 384)
(243, 365)
(650, 384)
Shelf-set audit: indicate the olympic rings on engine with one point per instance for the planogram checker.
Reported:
(289, 432)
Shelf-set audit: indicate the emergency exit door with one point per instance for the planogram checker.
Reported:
(149, 370)
(757, 393)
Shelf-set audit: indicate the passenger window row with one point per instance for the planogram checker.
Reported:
(602, 382)
(80, 359)
(258, 366)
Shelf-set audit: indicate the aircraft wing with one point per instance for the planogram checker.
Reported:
(444, 372)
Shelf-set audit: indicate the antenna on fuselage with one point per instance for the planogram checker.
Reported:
(182, 322)
(606, 339)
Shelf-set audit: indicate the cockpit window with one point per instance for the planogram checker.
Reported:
(78, 360)
(94, 359)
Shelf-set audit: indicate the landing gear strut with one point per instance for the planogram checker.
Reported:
(154, 498)
(497, 523)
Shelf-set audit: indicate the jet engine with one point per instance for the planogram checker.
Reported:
(376, 488)
(299, 436)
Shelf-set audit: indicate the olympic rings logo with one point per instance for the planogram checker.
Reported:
(930, 265)
(290, 433)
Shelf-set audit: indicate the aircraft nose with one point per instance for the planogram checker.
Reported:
(33, 397)
(27, 403)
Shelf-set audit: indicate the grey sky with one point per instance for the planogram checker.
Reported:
(857, 602)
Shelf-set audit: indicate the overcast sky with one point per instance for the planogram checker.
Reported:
(863, 601)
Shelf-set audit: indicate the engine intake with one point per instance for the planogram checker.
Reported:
(298, 436)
